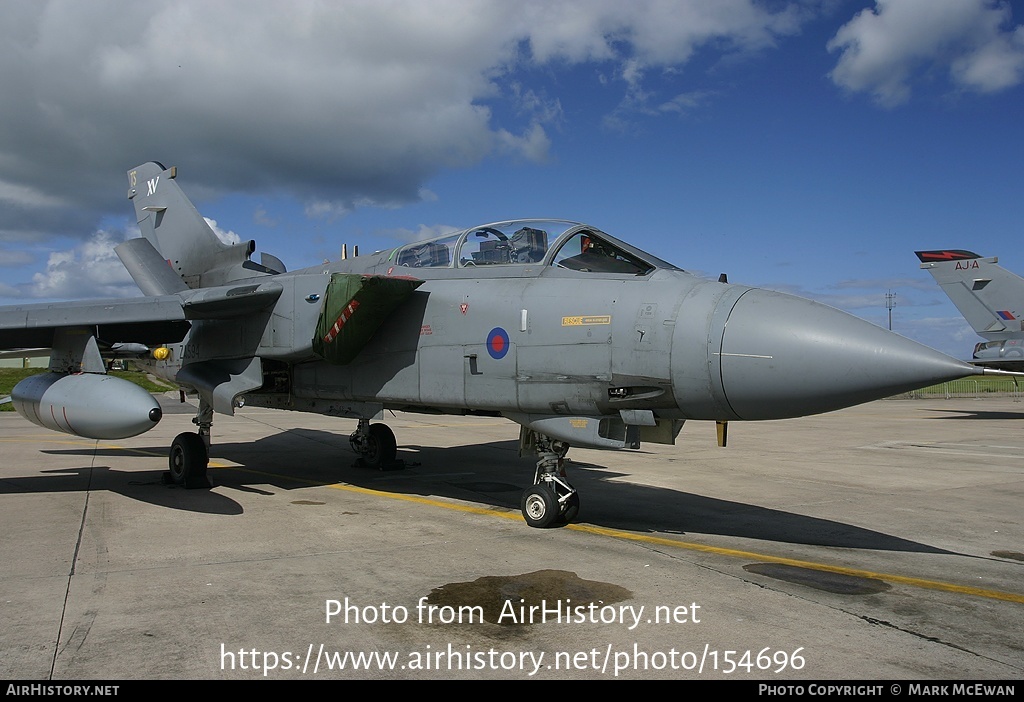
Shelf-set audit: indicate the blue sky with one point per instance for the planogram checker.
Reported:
(806, 146)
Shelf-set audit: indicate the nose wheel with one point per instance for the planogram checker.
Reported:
(542, 509)
(540, 506)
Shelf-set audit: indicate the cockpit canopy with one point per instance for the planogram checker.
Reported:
(556, 243)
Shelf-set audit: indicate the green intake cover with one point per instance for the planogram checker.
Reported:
(354, 307)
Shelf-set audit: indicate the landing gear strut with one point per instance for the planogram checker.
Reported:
(190, 453)
(552, 501)
(376, 446)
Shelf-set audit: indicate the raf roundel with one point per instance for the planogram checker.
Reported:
(497, 343)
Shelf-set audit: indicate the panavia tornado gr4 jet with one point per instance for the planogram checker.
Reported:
(578, 337)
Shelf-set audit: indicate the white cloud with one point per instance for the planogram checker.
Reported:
(994, 66)
(28, 196)
(226, 237)
(659, 32)
(685, 102)
(340, 104)
(533, 145)
(91, 269)
(541, 109)
(884, 50)
(326, 209)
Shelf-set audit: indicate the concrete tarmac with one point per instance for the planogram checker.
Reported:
(883, 542)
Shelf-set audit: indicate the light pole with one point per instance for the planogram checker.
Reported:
(890, 302)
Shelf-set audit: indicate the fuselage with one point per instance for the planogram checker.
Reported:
(557, 319)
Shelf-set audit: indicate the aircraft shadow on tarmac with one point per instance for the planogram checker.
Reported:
(490, 473)
(979, 414)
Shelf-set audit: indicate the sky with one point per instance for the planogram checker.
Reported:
(807, 146)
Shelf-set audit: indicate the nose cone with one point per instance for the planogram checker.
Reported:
(784, 356)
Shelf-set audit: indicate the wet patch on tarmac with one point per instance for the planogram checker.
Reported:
(550, 588)
(307, 502)
(1012, 555)
(819, 579)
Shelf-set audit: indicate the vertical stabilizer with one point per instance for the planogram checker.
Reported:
(989, 297)
(174, 227)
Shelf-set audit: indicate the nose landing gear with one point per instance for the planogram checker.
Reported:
(552, 501)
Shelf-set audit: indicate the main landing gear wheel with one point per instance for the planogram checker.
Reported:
(187, 460)
(381, 447)
(376, 446)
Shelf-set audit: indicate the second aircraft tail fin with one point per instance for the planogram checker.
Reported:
(989, 297)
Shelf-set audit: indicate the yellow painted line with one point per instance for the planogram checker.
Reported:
(703, 548)
(810, 565)
(425, 501)
(390, 495)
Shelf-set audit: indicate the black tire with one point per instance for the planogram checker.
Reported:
(381, 447)
(187, 460)
(539, 506)
(571, 510)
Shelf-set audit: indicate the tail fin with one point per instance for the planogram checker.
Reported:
(989, 297)
(174, 227)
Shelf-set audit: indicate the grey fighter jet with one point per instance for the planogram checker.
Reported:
(579, 337)
(989, 297)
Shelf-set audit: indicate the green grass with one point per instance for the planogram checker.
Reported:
(9, 377)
